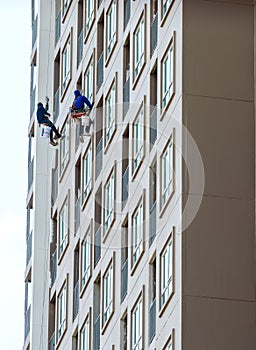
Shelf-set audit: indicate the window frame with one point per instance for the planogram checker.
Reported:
(86, 273)
(64, 322)
(140, 209)
(91, 18)
(65, 7)
(170, 342)
(87, 165)
(110, 123)
(64, 146)
(110, 307)
(113, 39)
(140, 299)
(65, 80)
(112, 211)
(170, 188)
(65, 211)
(170, 92)
(87, 321)
(90, 69)
(142, 58)
(170, 282)
(164, 14)
(141, 143)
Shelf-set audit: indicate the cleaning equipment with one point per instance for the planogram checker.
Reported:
(45, 132)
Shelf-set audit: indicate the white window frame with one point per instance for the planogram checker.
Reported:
(63, 227)
(64, 147)
(89, 81)
(111, 27)
(137, 325)
(110, 116)
(89, 14)
(85, 335)
(86, 260)
(109, 196)
(62, 312)
(137, 233)
(139, 47)
(108, 293)
(166, 272)
(87, 173)
(66, 65)
(167, 173)
(167, 67)
(166, 4)
(138, 139)
(65, 4)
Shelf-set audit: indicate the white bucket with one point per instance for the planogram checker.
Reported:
(85, 120)
(45, 132)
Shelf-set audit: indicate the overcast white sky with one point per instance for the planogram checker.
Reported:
(15, 41)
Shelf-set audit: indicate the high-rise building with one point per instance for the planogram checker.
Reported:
(141, 234)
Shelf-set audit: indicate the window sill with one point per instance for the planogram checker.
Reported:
(106, 233)
(135, 80)
(109, 55)
(165, 205)
(60, 257)
(137, 168)
(163, 307)
(164, 17)
(134, 266)
(85, 286)
(107, 144)
(88, 32)
(164, 110)
(104, 326)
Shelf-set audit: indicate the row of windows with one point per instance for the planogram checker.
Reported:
(109, 191)
(139, 57)
(138, 310)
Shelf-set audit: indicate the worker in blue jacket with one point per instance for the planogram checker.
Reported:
(79, 102)
(43, 118)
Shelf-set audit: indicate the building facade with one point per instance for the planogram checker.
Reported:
(141, 235)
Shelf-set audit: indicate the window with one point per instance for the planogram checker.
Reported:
(89, 82)
(64, 147)
(66, 5)
(138, 139)
(89, 14)
(166, 267)
(62, 311)
(168, 76)
(86, 260)
(87, 173)
(167, 173)
(137, 233)
(139, 48)
(63, 228)
(165, 6)
(85, 335)
(110, 113)
(111, 27)
(109, 202)
(169, 344)
(66, 65)
(137, 325)
(108, 286)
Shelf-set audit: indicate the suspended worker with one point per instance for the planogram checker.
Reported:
(78, 110)
(43, 118)
(79, 102)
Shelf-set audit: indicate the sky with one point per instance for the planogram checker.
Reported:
(15, 41)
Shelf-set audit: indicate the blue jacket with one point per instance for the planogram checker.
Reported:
(41, 113)
(80, 100)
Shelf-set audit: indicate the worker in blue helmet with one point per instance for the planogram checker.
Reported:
(79, 102)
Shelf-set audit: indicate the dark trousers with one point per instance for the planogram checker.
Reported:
(53, 128)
